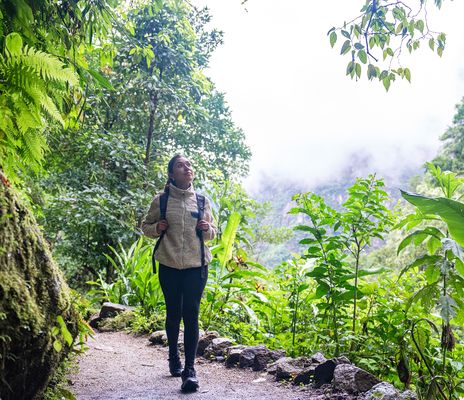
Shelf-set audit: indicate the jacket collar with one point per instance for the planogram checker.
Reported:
(177, 192)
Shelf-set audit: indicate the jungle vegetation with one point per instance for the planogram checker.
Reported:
(96, 96)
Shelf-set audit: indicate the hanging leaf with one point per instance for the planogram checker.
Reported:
(228, 238)
(451, 211)
(419, 236)
(448, 308)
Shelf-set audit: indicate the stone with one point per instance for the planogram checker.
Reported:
(408, 395)
(262, 359)
(352, 379)
(305, 376)
(324, 373)
(233, 355)
(158, 337)
(217, 347)
(382, 391)
(110, 310)
(33, 293)
(288, 368)
(318, 358)
(205, 340)
(94, 320)
(247, 356)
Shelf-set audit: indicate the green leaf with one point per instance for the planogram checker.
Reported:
(228, 238)
(419, 236)
(322, 290)
(57, 346)
(407, 74)
(421, 261)
(358, 70)
(333, 38)
(362, 56)
(448, 308)
(346, 34)
(371, 71)
(420, 25)
(460, 267)
(14, 44)
(451, 211)
(101, 79)
(386, 83)
(425, 295)
(350, 68)
(346, 47)
(451, 245)
(432, 44)
(65, 394)
(432, 273)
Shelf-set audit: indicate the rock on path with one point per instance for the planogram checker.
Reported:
(122, 366)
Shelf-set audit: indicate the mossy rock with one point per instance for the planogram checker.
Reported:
(33, 294)
(117, 323)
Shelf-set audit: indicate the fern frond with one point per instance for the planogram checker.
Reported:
(33, 147)
(48, 66)
(26, 119)
(33, 85)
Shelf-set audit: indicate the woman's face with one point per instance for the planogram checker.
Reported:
(182, 172)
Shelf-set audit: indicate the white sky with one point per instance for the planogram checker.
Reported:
(302, 116)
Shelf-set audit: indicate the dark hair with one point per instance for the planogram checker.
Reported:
(171, 163)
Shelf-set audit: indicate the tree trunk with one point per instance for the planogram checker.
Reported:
(151, 125)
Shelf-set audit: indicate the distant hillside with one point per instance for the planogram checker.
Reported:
(279, 194)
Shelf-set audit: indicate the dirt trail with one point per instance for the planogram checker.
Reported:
(122, 366)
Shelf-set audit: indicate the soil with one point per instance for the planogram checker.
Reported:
(120, 365)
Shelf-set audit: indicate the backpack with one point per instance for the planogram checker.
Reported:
(201, 211)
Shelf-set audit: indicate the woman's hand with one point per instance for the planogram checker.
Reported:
(203, 225)
(162, 226)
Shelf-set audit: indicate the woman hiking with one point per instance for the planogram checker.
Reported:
(183, 260)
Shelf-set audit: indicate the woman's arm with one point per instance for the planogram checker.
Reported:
(150, 221)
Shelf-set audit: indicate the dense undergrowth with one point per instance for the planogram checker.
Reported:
(383, 288)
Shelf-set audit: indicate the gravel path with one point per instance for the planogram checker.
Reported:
(118, 365)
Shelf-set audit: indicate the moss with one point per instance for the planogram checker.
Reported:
(32, 294)
(117, 323)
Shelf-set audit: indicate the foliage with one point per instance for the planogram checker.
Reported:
(364, 218)
(92, 201)
(377, 37)
(142, 323)
(32, 82)
(102, 173)
(135, 283)
(450, 156)
(39, 79)
(443, 269)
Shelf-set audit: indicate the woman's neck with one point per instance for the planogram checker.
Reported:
(183, 186)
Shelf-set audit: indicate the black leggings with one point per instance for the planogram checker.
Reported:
(182, 289)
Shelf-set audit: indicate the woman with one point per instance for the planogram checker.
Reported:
(181, 273)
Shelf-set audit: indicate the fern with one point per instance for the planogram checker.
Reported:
(32, 86)
(49, 68)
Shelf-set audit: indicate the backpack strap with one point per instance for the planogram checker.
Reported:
(201, 212)
(163, 207)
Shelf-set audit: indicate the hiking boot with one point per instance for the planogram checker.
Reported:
(189, 380)
(175, 366)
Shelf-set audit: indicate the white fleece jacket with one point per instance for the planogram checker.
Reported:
(180, 246)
